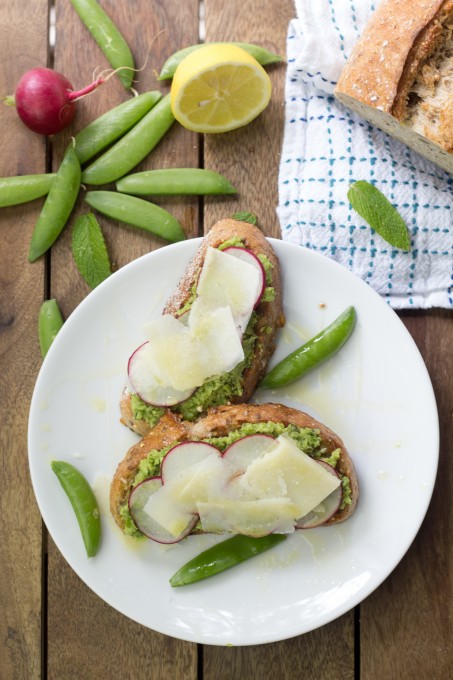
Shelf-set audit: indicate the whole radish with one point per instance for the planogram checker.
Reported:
(44, 100)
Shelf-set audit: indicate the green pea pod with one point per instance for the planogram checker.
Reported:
(133, 147)
(137, 212)
(57, 207)
(312, 353)
(106, 129)
(24, 188)
(179, 181)
(49, 323)
(223, 556)
(108, 37)
(263, 57)
(84, 504)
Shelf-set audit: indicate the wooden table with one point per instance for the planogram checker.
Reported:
(51, 624)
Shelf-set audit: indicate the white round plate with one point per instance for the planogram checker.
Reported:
(374, 394)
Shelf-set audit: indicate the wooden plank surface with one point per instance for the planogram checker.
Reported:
(120, 648)
(23, 41)
(405, 627)
(407, 624)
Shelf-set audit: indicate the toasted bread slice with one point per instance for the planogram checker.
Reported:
(268, 318)
(221, 422)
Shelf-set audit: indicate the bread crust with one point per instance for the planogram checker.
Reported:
(270, 314)
(217, 423)
(399, 37)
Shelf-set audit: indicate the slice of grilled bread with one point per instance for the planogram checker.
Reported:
(220, 422)
(268, 314)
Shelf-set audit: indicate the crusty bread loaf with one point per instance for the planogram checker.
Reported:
(220, 422)
(270, 317)
(400, 75)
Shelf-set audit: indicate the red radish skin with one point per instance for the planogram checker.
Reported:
(183, 455)
(144, 523)
(45, 99)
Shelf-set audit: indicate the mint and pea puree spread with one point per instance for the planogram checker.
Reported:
(307, 439)
(222, 388)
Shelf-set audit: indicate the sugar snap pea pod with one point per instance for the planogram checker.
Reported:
(106, 129)
(108, 37)
(136, 212)
(312, 353)
(49, 323)
(223, 556)
(263, 57)
(84, 503)
(57, 206)
(133, 147)
(180, 181)
(24, 188)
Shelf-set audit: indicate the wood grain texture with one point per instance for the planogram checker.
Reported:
(89, 639)
(407, 624)
(250, 156)
(325, 654)
(153, 34)
(98, 642)
(23, 44)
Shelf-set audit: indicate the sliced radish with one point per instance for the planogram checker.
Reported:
(248, 256)
(244, 451)
(142, 376)
(193, 472)
(139, 499)
(325, 510)
(183, 455)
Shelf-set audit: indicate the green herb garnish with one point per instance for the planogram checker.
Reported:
(376, 209)
(89, 251)
(245, 217)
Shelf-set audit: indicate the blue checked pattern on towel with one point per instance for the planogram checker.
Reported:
(326, 147)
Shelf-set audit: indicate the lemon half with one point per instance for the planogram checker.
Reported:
(218, 88)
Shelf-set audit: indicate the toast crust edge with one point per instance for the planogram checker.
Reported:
(219, 422)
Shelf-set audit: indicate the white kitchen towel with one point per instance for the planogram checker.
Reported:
(326, 147)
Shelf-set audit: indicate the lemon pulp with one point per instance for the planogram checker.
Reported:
(219, 88)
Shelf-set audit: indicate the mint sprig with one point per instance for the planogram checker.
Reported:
(376, 209)
(89, 250)
(245, 217)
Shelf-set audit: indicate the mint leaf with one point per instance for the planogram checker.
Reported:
(89, 251)
(245, 217)
(376, 209)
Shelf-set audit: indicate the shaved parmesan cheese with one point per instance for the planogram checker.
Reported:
(184, 357)
(199, 482)
(248, 517)
(228, 281)
(170, 515)
(304, 481)
(184, 354)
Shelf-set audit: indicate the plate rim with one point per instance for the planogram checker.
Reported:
(360, 595)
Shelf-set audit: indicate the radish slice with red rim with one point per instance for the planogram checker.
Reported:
(140, 370)
(138, 499)
(244, 451)
(248, 256)
(325, 510)
(183, 455)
